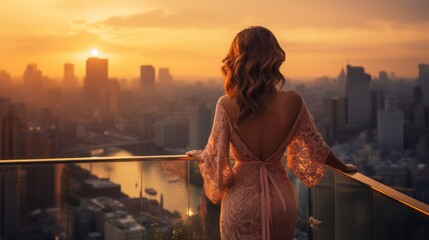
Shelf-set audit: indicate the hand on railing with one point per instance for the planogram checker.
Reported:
(350, 168)
(194, 153)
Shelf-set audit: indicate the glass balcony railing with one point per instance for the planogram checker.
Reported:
(353, 206)
(149, 197)
(160, 197)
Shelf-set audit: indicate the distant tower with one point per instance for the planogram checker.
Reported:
(164, 75)
(147, 76)
(69, 79)
(342, 78)
(423, 81)
(96, 79)
(111, 104)
(358, 95)
(13, 123)
(5, 77)
(200, 124)
(384, 80)
(171, 132)
(333, 117)
(418, 110)
(391, 126)
(12, 200)
(418, 94)
(33, 78)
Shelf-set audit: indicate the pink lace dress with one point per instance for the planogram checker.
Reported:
(257, 199)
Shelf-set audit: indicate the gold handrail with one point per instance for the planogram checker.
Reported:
(387, 191)
(32, 161)
(376, 186)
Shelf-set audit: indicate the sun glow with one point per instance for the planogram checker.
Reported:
(95, 52)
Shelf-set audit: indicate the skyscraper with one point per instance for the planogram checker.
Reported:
(333, 117)
(5, 77)
(342, 79)
(111, 104)
(12, 200)
(358, 95)
(13, 123)
(200, 124)
(423, 81)
(69, 79)
(391, 126)
(33, 78)
(418, 110)
(96, 79)
(164, 75)
(171, 132)
(147, 76)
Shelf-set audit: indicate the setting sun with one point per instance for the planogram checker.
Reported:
(95, 52)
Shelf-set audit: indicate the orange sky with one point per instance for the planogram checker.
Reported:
(192, 36)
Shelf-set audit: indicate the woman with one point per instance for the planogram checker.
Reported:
(260, 123)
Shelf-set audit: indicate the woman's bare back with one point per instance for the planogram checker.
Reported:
(265, 134)
(258, 179)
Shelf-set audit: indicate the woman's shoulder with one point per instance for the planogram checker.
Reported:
(225, 101)
(227, 104)
(291, 99)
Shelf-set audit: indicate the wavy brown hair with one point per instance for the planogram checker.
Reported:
(252, 71)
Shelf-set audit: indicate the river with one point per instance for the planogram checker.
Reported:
(128, 175)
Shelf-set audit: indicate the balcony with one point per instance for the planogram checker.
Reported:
(160, 197)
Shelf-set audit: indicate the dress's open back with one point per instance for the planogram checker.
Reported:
(256, 196)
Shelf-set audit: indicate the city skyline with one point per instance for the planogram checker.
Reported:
(191, 37)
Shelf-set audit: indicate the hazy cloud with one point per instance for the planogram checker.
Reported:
(161, 18)
(191, 36)
(305, 13)
(55, 43)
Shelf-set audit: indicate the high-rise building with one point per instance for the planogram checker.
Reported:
(13, 122)
(391, 126)
(418, 110)
(33, 78)
(40, 186)
(358, 95)
(164, 75)
(377, 103)
(144, 123)
(423, 81)
(96, 79)
(147, 76)
(200, 124)
(12, 200)
(5, 77)
(4, 102)
(333, 117)
(342, 79)
(171, 132)
(69, 79)
(111, 103)
(36, 142)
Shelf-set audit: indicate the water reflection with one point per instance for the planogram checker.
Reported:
(127, 174)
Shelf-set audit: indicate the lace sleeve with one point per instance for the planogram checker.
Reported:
(307, 151)
(215, 162)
